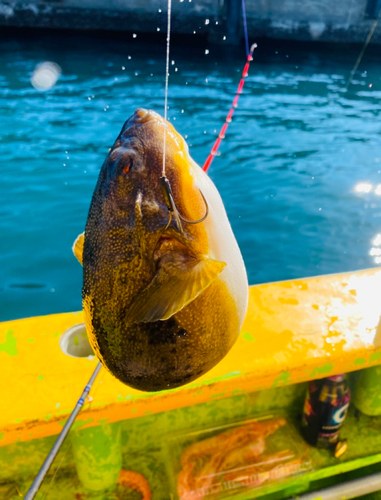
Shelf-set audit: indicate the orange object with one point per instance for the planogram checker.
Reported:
(135, 481)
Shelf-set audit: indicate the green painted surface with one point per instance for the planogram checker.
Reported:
(367, 391)
(9, 346)
(93, 456)
(359, 361)
(374, 357)
(282, 379)
(248, 336)
(321, 371)
(98, 456)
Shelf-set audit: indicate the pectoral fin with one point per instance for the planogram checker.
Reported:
(178, 282)
(78, 247)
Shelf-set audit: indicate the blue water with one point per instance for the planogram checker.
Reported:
(289, 170)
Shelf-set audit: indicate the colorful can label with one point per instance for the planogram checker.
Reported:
(325, 409)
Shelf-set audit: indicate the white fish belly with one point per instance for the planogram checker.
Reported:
(222, 243)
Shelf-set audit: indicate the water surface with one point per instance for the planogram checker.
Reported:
(299, 169)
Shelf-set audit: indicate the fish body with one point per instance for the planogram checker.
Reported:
(163, 299)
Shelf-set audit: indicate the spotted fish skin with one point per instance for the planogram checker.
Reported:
(163, 304)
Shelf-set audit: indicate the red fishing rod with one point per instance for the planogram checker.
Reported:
(228, 119)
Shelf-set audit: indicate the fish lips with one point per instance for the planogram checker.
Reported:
(170, 240)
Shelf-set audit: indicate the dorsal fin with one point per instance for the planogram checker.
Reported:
(78, 247)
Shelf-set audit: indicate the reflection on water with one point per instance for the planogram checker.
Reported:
(363, 187)
(45, 75)
(299, 169)
(375, 251)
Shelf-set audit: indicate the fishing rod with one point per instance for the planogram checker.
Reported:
(367, 41)
(33, 490)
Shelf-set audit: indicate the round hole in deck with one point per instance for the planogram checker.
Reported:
(75, 343)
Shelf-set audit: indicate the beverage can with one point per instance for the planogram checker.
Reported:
(325, 409)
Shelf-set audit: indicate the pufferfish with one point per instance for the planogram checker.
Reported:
(165, 288)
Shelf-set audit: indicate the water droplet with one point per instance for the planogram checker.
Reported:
(123, 68)
(64, 164)
(134, 35)
(136, 73)
(89, 98)
(157, 29)
(194, 32)
(207, 21)
(216, 22)
(206, 51)
(172, 62)
(224, 38)
(159, 10)
(182, 111)
(370, 85)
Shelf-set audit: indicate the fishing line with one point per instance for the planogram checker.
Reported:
(167, 79)
(245, 27)
(55, 472)
(365, 46)
(228, 119)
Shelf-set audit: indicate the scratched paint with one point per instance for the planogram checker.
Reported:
(9, 346)
(248, 336)
(298, 339)
(319, 372)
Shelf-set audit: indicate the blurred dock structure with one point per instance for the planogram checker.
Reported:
(218, 20)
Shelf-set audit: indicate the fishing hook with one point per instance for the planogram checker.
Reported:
(170, 202)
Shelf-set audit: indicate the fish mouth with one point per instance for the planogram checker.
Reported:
(169, 242)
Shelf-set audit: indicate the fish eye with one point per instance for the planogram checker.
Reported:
(127, 167)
